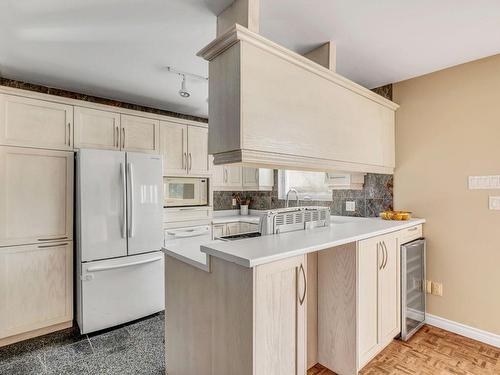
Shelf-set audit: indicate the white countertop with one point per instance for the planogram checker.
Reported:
(190, 254)
(252, 252)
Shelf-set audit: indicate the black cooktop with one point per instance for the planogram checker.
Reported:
(240, 236)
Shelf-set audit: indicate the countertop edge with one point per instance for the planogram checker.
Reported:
(187, 260)
(253, 263)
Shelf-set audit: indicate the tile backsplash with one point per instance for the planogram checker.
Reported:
(376, 196)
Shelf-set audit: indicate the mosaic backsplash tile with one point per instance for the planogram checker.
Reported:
(376, 196)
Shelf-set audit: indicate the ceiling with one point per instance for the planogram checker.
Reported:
(119, 48)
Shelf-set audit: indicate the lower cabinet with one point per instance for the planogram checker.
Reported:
(238, 320)
(36, 287)
(280, 317)
(227, 229)
(378, 295)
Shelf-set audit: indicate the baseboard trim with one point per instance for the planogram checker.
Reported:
(464, 330)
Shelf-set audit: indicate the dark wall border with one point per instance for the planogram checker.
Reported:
(94, 99)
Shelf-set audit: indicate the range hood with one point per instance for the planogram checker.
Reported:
(271, 107)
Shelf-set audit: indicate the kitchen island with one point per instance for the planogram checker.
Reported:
(279, 304)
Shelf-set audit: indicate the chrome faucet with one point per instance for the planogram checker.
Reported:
(287, 196)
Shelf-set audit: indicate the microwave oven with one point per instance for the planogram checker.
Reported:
(185, 191)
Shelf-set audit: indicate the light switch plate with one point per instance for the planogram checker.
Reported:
(494, 203)
(350, 206)
(484, 182)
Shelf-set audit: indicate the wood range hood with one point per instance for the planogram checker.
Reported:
(271, 107)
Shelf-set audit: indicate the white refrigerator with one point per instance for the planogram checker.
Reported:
(119, 263)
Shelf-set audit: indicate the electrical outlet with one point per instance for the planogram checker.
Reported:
(428, 286)
(437, 289)
(494, 203)
(350, 206)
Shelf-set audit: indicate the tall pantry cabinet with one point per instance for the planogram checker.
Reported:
(36, 217)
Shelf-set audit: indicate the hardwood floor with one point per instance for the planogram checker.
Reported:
(432, 351)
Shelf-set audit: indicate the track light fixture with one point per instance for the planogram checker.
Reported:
(183, 92)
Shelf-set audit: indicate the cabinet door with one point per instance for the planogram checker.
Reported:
(36, 195)
(97, 129)
(173, 147)
(233, 177)
(140, 134)
(388, 285)
(36, 287)
(232, 228)
(369, 261)
(250, 178)
(280, 317)
(197, 150)
(266, 178)
(219, 176)
(35, 123)
(218, 230)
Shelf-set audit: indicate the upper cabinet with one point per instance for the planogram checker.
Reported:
(231, 177)
(184, 149)
(35, 123)
(140, 134)
(272, 107)
(97, 129)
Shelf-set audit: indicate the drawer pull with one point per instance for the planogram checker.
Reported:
(56, 245)
(412, 229)
(53, 239)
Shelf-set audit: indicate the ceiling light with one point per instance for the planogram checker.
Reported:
(183, 92)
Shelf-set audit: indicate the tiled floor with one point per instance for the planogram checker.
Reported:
(136, 348)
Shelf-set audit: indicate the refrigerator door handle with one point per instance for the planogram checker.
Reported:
(131, 205)
(124, 186)
(98, 269)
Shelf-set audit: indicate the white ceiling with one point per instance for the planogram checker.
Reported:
(119, 48)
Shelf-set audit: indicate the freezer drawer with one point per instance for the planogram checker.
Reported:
(119, 290)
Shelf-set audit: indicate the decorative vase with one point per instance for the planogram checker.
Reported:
(244, 209)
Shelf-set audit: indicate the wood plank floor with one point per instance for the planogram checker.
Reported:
(432, 351)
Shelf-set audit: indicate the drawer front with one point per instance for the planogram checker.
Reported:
(187, 214)
(410, 234)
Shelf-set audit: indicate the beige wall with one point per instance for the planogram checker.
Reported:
(448, 127)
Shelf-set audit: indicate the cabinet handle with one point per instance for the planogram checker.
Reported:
(123, 138)
(256, 175)
(386, 257)
(56, 245)
(225, 175)
(228, 229)
(379, 245)
(301, 270)
(412, 229)
(190, 162)
(117, 132)
(69, 134)
(53, 239)
(184, 161)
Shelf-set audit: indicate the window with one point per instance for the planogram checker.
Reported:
(310, 185)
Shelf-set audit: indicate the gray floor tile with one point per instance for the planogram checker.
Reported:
(73, 368)
(59, 356)
(111, 342)
(28, 365)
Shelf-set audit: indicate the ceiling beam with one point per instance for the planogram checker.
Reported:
(325, 55)
(244, 12)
